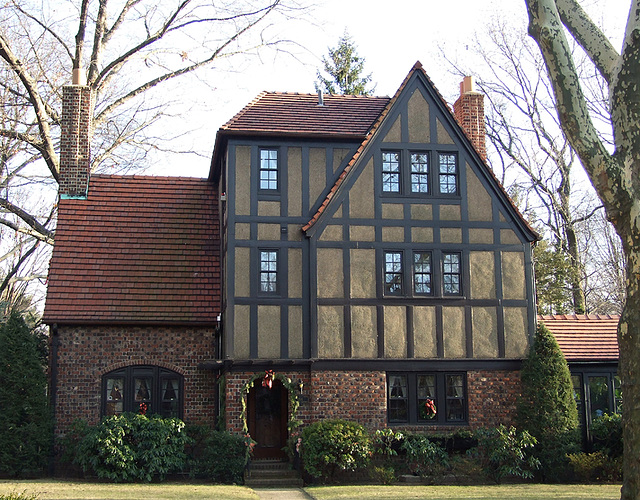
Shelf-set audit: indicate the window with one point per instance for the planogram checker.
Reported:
(391, 172)
(413, 397)
(269, 271)
(393, 273)
(128, 389)
(425, 273)
(451, 274)
(419, 173)
(447, 173)
(269, 169)
(422, 273)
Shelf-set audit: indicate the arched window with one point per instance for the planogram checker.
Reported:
(149, 389)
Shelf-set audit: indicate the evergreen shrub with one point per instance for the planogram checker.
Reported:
(27, 425)
(218, 456)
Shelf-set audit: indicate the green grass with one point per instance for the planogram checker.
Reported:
(502, 492)
(78, 490)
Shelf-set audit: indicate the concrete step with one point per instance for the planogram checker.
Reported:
(271, 474)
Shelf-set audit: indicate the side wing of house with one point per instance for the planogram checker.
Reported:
(420, 255)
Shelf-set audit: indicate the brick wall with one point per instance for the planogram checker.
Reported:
(75, 141)
(85, 354)
(492, 397)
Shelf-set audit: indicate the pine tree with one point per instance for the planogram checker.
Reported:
(547, 409)
(26, 436)
(344, 68)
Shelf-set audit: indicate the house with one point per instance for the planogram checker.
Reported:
(589, 343)
(348, 257)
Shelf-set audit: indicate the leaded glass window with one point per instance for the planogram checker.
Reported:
(391, 172)
(269, 169)
(268, 271)
(447, 173)
(393, 273)
(419, 173)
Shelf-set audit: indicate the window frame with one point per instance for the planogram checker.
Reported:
(275, 272)
(130, 402)
(415, 273)
(388, 172)
(426, 174)
(445, 274)
(266, 165)
(455, 175)
(400, 273)
(442, 400)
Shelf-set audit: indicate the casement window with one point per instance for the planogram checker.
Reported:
(448, 173)
(393, 273)
(268, 169)
(269, 271)
(427, 398)
(451, 274)
(420, 173)
(391, 172)
(142, 389)
(422, 273)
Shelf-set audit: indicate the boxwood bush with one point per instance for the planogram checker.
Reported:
(332, 445)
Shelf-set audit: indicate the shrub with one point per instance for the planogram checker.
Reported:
(502, 452)
(607, 434)
(217, 455)
(546, 408)
(332, 445)
(596, 466)
(27, 426)
(132, 447)
(383, 474)
(424, 456)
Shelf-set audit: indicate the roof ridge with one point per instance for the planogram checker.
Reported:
(358, 153)
(235, 117)
(578, 317)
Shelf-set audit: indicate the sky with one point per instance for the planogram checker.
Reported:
(390, 36)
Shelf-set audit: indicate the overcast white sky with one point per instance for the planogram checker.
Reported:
(391, 36)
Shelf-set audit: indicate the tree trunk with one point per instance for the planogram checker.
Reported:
(629, 372)
(576, 271)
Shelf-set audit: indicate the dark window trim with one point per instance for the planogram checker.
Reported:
(275, 190)
(429, 190)
(129, 403)
(399, 273)
(408, 273)
(455, 175)
(441, 401)
(395, 173)
(445, 273)
(276, 272)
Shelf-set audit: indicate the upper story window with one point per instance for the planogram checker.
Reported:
(411, 173)
(451, 274)
(142, 389)
(391, 171)
(427, 398)
(422, 273)
(448, 173)
(268, 271)
(419, 173)
(393, 271)
(269, 169)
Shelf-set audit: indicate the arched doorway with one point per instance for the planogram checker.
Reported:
(267, 415)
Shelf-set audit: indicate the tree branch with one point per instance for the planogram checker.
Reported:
(589, 36)
(46, 234)
(15, 269)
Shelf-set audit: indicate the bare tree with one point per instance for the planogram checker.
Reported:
(615, 175)
(125, 51)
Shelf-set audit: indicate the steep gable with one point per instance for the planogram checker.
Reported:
(138, 250)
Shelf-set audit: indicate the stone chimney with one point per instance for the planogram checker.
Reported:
(75, 140)
(469, 111)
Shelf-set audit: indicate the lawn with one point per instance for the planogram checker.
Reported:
(502, 492)
(68, 490)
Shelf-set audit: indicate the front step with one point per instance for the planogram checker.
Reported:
(271, 474)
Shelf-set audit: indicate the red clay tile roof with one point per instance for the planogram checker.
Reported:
(138, 250)
(581, 337)
(299, 114)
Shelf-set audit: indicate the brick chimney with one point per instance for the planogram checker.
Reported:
(75, 140)
(469, 111)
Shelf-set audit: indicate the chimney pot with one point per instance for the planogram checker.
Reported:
(320, 97)
(78, 77)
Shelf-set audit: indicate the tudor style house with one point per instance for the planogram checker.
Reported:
(348, 257)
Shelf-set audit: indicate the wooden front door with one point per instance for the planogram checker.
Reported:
(267, 419)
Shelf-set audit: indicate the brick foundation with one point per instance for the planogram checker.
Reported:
(85, 354)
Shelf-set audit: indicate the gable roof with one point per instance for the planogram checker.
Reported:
(585, 337)
(447, 114)
(140, 249)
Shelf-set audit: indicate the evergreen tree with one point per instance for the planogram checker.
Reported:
(553, 286)
(344, 68)
(25, 440)
(547, 409)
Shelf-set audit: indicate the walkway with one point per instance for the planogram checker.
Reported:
(281, 494)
